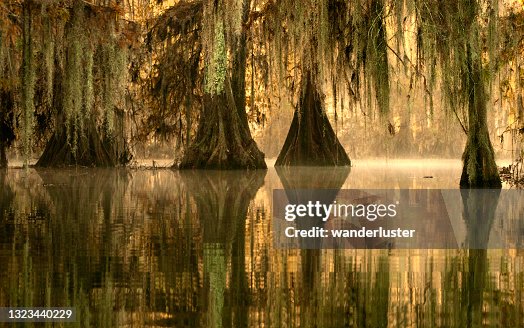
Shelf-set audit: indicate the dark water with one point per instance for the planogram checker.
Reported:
(162, 248)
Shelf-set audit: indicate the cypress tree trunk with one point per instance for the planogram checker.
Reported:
(58, 152)
(90, 152)
(223, 139)
(78, 137)
(115, 142)
(7, 134)
(28, 78)
(311, 140)
(480, 169)
(404, 144)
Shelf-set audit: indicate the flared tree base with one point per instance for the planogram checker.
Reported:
(223, 140)
(311, 140)
(216, 155)
(480, 169)
(90, 151)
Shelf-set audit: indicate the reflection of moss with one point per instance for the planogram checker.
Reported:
(215, 266)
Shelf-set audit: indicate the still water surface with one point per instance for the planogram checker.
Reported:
(161, 248)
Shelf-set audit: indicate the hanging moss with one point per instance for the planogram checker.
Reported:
(28, 80)
(461, 35)
(48, 54)
(377, 51)
(115, 66)
(74, 79)
(217, 66)
(324, 58)
(115, 59)
(233, 17)
(88, 92)
(90, 64)
(338, 40)
(223, 139)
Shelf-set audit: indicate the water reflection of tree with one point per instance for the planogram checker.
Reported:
(83, 236)
(369, 288)
(79, 199)
(6, 210)
(222, 200)
(303, 184)
(479, 214)
(354, 294)
(152, 250)
(470, 297)
(55, 257)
